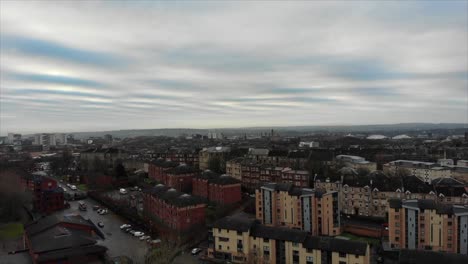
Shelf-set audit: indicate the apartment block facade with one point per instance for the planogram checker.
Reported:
(368, 201)
(239, 239)
(221, 189)
(426, 171)
(176, 210)
(427, 225)
(47, 196)
(286, 205)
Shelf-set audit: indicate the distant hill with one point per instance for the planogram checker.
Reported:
(171, 132)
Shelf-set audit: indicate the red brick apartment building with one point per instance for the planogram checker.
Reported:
(158, 167)
(178, 211)
(217, 188)
(47, 196)
(253, 175)
(180, 177)
(188, 156)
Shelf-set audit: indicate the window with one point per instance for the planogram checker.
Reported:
(239, 233)
(342, 255)
(224, 239)
(266, 240)
(220, 247)
(295, 244)
(342, 262)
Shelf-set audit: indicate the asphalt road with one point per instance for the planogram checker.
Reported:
(118, 242)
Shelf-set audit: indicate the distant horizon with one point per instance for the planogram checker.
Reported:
(317, 126)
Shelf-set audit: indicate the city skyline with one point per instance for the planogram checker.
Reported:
(112, 65)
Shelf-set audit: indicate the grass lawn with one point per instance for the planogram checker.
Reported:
(82, 187)
(369, 240)
(12, 230)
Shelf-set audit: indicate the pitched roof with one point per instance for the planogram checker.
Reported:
(279, 233)
(239, 222)
(336, 245)
(408, 256)
(174, 197)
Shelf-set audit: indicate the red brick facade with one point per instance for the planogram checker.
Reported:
(225, 194)
(169, 207)
(200, 187)
(48, 197)
(180, 181)
(220, 189)
(157, 170)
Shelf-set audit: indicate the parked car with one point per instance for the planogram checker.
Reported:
(82, 206)
(102, 211)
(195, 251)
(142, 238)
(138, 234)
(96, 207)
(100, 224)
(124, 226)
(123, 191)
(132, 231)
(73, 187)
(135, 188)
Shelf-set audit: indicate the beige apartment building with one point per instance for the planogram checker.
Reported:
(282, 204)
(234, 168)
(367, 201)
(428, 225)
(206, 154)
(240, 239)
(426, 171)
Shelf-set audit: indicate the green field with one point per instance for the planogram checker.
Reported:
(12, 230)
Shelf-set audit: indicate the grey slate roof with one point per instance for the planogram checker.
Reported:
(174, 197)
(408, 256)
(279, 233)
(239, 222)
(335, 244)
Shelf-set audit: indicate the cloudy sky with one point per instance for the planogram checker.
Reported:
(81, 66)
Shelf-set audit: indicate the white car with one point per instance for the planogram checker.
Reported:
(123, 191)
(125, 226)
(73, 187)
(102, 211)
(138, 234)
(195, 251)
(144, 238)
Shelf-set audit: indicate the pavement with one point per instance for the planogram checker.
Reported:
(118, 242)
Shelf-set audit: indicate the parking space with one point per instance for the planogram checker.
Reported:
(118, 242)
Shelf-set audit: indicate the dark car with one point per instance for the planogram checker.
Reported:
(96, 207)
